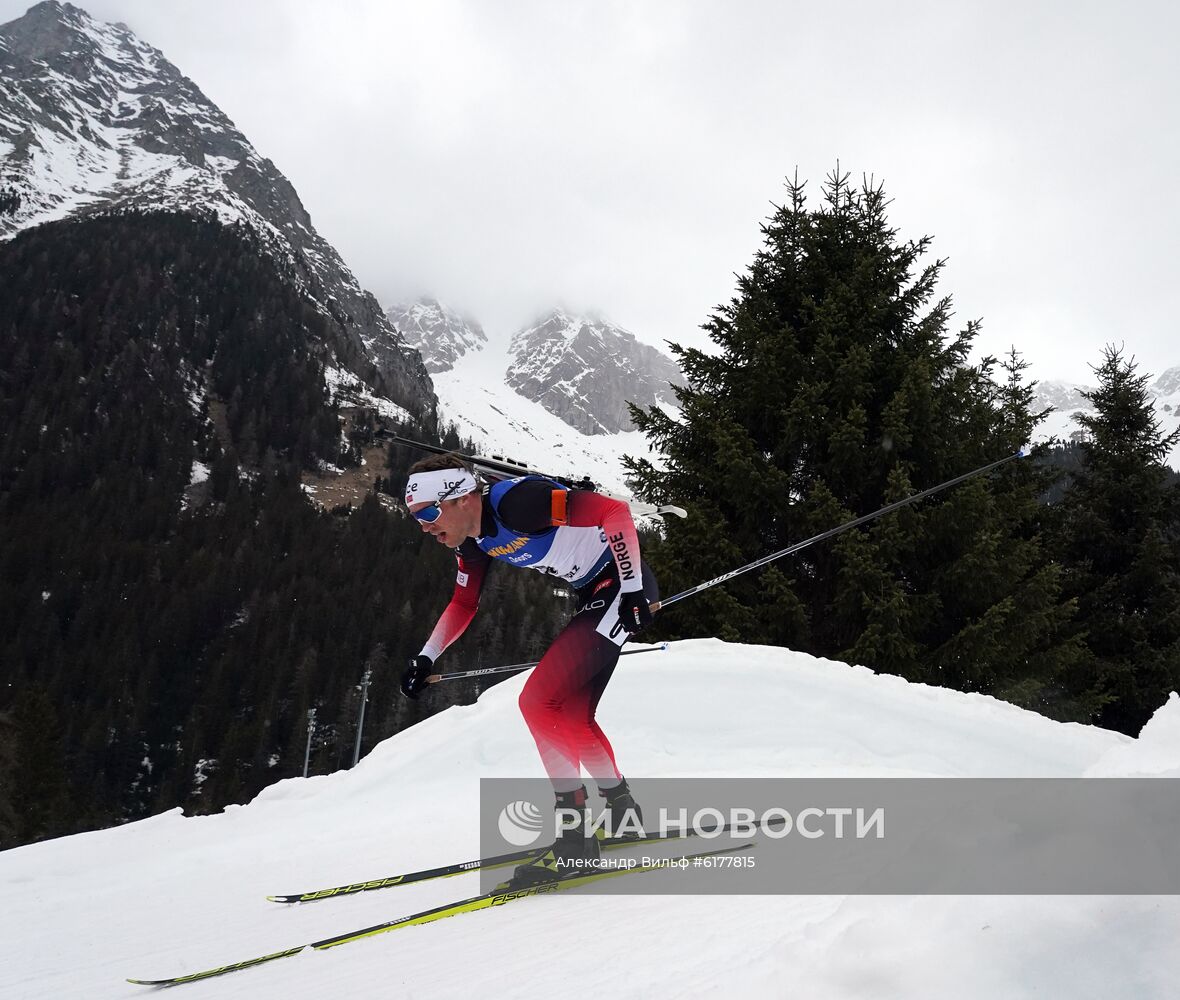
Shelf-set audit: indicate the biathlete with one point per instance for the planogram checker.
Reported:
(587, 540)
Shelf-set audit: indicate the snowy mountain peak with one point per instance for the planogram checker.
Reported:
(93, 117)
(438, 333)
(1067, 401)
(562, 324)
(60, 33)
(585, 369)
(1168, 384)
(94, 120)
(1061, 396)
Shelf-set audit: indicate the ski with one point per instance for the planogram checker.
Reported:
(425, 875)
(479, 864)
(497, 897)
(499, 467)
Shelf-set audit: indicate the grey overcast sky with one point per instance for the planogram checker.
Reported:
(507, 156)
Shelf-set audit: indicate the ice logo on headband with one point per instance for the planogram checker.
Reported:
(439, 484)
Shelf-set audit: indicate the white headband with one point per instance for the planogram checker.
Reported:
(448, 484)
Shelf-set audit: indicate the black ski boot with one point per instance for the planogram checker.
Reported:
(574, 852)
(622, 819)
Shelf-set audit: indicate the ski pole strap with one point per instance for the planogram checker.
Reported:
(457, 675)
(831, 532)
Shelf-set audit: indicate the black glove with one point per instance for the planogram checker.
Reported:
(414, 679)
(634, 613)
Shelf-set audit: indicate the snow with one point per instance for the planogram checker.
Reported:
(473, 395)
(201, 771)
(440, 333)
(171, 895)
(197, 392)
(345, 388)
(1155, 754)
(87, 162)
(505, 423)
(1067, 399)
(221, 164)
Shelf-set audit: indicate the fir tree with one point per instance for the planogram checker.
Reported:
(8, 818)
(40, 792)
(1120, 546)
(836, 389)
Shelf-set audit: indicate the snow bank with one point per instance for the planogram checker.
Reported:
(1155, 754)
(172, 895)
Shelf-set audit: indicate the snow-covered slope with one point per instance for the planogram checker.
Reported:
(170, 894)
(503, 422)
(1066, 399)
(548, 396)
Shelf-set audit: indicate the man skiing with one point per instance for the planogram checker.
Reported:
(589, 541)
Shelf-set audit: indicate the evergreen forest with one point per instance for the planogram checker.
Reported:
(160, 643)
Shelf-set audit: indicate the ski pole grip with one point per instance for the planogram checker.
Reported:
(433, 678)
(653, 608)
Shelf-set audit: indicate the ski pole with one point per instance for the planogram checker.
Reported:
(457, 675)
(831, 532)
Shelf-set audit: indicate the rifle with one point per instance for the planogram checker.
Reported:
(498, 468)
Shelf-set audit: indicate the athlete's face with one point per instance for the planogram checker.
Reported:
(454, 522)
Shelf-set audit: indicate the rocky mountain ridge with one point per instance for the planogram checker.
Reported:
(440, 334)
(586, 369)
(94, 120)
(582, 368)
